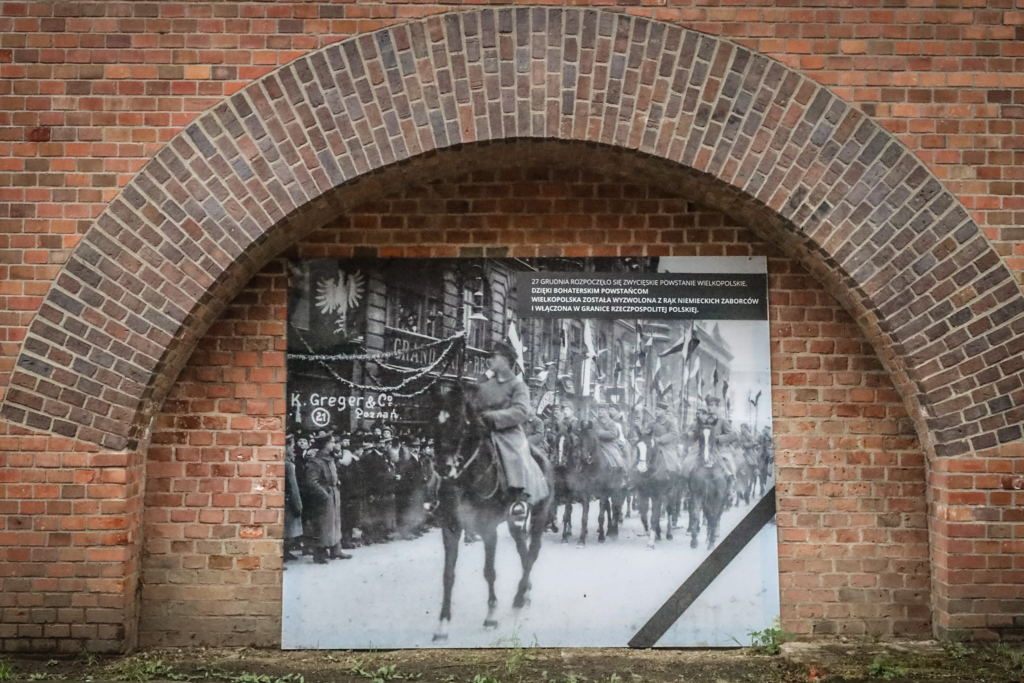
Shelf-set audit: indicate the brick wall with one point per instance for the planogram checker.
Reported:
(89, 92)
(851, 478)
(68, 545)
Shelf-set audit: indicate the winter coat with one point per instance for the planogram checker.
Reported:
(507, 406)
(665, 441)
(292, 502)
(609, 444)
(324, 500)
(378, 474)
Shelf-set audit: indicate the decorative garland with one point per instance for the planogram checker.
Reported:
(417, 373)
(382, 355)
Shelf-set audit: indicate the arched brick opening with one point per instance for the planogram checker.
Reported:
(850, 472)
(742, 133)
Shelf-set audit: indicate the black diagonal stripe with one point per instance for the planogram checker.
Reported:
(708, 570)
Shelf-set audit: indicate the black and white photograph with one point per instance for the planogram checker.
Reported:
(547, 452)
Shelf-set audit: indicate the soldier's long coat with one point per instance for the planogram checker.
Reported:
(323, 500)
(508, 405)
(665, 438)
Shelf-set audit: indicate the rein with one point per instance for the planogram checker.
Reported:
(460, 470)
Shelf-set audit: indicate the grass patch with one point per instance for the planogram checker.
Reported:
(1010, 656)
(771, 639)
(382, 674)
(138, 670)
(885, 669)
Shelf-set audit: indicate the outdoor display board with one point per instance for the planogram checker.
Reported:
(548, 452)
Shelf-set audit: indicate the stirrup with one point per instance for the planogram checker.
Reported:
(517, 515)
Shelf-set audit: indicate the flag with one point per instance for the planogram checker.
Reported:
(639, 346)
(588, 361)
(517, 344)
(691, 347)
(588, 338)
(725, 389)
(714, 377)
(682, 343)
(663, 389)
(754, 400)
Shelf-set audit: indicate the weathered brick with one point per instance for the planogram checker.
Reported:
(487, 75)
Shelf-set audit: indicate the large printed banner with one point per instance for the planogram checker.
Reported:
(491, 452)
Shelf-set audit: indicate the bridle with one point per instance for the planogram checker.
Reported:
(457, 469)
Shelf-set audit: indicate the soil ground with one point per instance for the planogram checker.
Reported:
(918, 662)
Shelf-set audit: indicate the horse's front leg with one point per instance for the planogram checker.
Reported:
(450, 534)
(696, 507)
(618, 498)
(490, 537)
(585, 504)
(675, 497)
(643, 504)
(567, 522)
(527, 556)
(657, 503)
(677, 501)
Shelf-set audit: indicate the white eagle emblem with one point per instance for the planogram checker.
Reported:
(340, 296)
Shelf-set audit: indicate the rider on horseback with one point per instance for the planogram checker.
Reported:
(718, 434)
(503, 403)
(665, 439)
(609, 439)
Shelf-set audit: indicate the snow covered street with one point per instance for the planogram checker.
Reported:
(389, 596)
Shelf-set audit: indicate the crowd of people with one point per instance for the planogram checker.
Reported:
(371, 481)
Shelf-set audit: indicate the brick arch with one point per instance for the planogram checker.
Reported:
(301, 144)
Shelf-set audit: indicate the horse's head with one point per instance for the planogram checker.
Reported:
(454, 425)
(587, 445)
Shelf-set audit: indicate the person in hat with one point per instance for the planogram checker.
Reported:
(409, 490)
(720, 434)
(323, 498)
(609, 439)
(351, 486)
(664, 438)
(566, 434)
(503, 404)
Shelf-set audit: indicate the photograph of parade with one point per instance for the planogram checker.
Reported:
(461, 474)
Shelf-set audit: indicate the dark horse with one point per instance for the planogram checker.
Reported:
(582, 475)
(708, 487)
(471, 498)
(657, 486)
